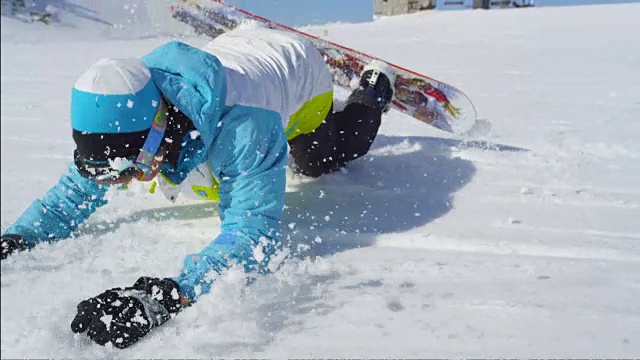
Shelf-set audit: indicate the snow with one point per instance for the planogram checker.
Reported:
(524, 242)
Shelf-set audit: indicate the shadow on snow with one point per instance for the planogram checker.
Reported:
(403, 183)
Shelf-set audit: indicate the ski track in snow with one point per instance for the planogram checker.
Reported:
(524, 242)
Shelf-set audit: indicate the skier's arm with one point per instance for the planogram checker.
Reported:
(249, 159)
(61, 210)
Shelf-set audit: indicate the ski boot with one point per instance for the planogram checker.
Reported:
(379, 79)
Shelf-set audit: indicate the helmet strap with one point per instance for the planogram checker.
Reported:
(154, 139)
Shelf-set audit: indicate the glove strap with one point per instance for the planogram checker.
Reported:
(155, 311)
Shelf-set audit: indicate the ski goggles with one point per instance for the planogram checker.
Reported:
(120, 168)
(107, 171)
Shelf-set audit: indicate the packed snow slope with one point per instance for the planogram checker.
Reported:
(522, 243)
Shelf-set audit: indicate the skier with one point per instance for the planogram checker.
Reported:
(219, 118)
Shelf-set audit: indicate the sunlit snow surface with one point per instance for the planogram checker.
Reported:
(523, 242)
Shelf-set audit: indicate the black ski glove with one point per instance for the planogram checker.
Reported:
(123, 316)
(11, 243)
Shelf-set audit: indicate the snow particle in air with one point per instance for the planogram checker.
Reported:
(526, 191)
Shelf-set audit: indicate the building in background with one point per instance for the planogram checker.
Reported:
(497, 4)
(396, 7)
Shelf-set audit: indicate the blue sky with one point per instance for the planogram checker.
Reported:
(307, 12)
(580, 2)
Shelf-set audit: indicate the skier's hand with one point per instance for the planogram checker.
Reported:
(11, 243)
(123, 316)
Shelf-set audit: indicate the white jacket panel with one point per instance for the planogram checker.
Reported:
(271, 69)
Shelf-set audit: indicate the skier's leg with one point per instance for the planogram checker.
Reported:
(315, 154)
(357, 125)
(348, 134)
(342, 137)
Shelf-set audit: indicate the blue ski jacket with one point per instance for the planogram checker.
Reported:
(244, 143)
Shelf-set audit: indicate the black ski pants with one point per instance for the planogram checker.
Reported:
(342, 137)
